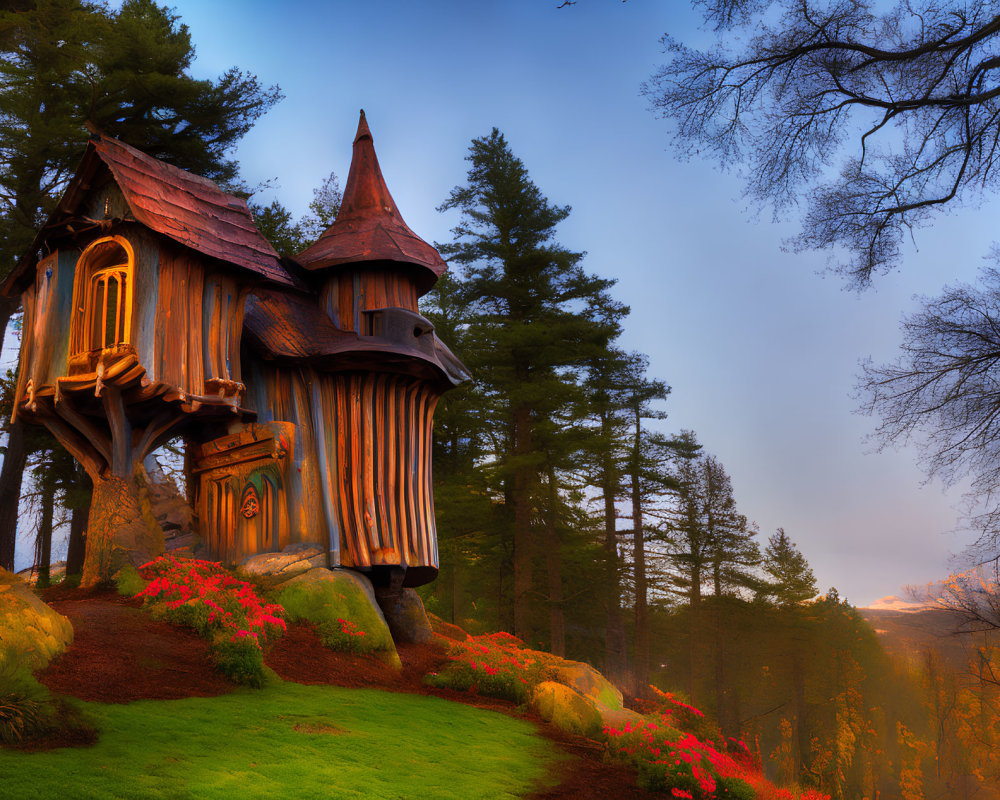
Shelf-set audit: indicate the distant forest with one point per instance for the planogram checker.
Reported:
(567, 516)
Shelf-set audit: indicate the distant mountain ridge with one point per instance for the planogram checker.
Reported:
(893, 603)
(909, 628)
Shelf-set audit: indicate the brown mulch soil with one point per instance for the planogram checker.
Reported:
(120, 654)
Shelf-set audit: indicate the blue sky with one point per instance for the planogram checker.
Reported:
(760, 349)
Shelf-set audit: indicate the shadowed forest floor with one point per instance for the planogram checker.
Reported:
(119, 655)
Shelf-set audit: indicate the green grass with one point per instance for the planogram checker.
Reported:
(349, 744)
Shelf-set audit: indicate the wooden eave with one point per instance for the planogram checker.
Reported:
(284, 327)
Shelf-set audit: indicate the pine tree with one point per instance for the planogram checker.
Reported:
(289, 236)
(275, 223)
(792, 580)
(709, 541)
(533, 323)
(631, 464)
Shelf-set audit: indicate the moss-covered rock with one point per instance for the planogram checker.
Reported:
(341, 604)
(29, 630)
(588, 681)
(618, 717)
(566, 708)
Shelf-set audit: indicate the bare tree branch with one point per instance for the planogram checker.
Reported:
(905, 102)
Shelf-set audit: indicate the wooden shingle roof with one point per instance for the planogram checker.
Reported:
(185, 207)
(369, 227)
(189, 209)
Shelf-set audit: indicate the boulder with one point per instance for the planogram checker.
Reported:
(279, 567)
(588, 681)
(29, 629)
(566, 708)
(326, 596)
(404, 611)
(181, 542)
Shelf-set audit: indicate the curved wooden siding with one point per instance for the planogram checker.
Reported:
(378, 445)
(346, 295)
(362, 462)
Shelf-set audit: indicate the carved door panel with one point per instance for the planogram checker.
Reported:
(258, 519)
(242, 497)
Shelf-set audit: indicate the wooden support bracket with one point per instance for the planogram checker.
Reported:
(121, 432)
(100, 440)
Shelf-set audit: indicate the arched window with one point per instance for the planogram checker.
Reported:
(102, 296)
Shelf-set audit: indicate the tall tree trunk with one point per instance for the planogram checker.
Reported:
(121, 528)
(13, 464)
(694, 632)
(43, 541)
(615, 659)
(641, 667)
(553, 563)
(10, 492)
(455, 615)
(614, 641)
(522, 525)
(802, 743)
(77, 541)
(723, 706)
(78, 526)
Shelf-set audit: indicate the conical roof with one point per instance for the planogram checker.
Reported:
(369, 226)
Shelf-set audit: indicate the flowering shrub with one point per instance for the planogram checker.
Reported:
(226, 611)
(680, 715)
(685, 766)
(345, 635)
(494, 664)
(680, 764)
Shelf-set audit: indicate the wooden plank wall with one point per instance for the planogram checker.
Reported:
(225, 469)
(283, 395)
(350, 292)
(51, 304)
(107, 201)
(363, 460)
(230, 536)
(178, 360)
(377, 437)
(223, 304)
(27, 356)
(145, 334)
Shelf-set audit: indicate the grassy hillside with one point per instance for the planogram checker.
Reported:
(290, 741)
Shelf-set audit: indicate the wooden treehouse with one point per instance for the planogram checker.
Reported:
(303, 388)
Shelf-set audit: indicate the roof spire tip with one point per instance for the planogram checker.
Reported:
(363, 131)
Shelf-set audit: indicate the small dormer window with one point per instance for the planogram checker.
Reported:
(102, 296)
